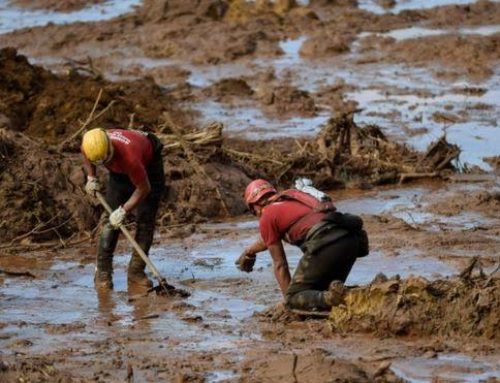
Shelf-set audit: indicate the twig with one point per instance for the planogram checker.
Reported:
(131, 122)
(411, 176)
(193, 161)
(492, 275)
(294, 367)
(465, 274)
(87, 121)
(32, 231)
(252, 156)
(17, 273)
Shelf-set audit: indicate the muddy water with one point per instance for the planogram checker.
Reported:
(405, 101)
(59, 312)
(451, 367)
(13, 18)
(401, 5)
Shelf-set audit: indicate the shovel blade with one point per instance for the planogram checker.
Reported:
(166, 289)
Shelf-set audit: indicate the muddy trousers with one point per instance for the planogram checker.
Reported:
(315, 272)
(118, 191)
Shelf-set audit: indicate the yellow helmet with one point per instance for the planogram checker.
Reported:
(96, 145)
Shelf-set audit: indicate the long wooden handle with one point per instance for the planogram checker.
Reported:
(131, 239)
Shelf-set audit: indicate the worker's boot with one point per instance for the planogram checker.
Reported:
(136, 276)
(144, 237)
(104, 264)
(335, 294)
(103, 280)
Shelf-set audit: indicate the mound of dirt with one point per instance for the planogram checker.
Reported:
(56, 5)
(485, 202)
(326, 44)
(32, 370)
(459, 307)
(343, 154)
(287, 101)
(475, 56)
(40, 192)
(50, 107)
(316, 366)
(42, 197)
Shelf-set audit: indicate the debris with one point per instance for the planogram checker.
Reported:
(17, 273)
(463, 306)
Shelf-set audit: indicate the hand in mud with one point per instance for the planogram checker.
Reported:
(92, 186)
(245, 262)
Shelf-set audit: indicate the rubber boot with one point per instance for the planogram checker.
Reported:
(144, 238)
(104, 264)
(136, 276)
(335, 294)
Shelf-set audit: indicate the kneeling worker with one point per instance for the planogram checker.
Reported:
(331, 242)
(136, 181)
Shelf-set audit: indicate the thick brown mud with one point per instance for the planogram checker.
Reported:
(390, 106)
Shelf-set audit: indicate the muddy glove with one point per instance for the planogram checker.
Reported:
(117, 217)
(92, 186)
(245, 262)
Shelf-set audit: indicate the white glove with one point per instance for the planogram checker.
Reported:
(117, 217)
(305, 185)
(92, 186)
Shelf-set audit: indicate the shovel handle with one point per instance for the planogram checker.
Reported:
(131, 239)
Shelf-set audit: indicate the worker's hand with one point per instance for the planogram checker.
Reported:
(92, 186)
(117, 217)
(245, 262)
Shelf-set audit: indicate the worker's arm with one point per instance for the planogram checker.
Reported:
(256, 247)
(280, 263)
(140, 192)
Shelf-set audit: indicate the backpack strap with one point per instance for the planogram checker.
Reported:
(308, 200)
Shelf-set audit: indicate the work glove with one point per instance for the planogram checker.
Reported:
(92, 186)
(117, 217)
(245, 262)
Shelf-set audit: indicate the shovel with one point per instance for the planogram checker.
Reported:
(163, 287)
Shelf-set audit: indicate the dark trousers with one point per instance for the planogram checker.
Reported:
(118, 191)
(315, 272)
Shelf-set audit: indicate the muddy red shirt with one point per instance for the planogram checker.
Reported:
(133, 152)
(282, 217)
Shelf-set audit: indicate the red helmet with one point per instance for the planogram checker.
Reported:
(256, 190)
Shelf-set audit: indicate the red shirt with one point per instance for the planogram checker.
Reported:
(278, 217)
(133, 151)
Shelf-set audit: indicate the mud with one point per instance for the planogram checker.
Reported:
(390, 106)
(66, 6)
(417, 307)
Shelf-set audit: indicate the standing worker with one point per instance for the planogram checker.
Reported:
(136, 181)
(331, 242)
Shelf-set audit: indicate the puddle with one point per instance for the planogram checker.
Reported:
(417, 32)
(408, 262)
(63, 308)
(409, 116)
(13, 18)
(412, 205)
(221, 376)
(446, 367)
(251, 123)
(401, 5)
